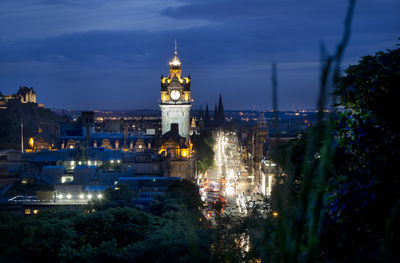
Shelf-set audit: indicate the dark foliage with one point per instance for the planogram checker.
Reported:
(361, 187)
(114, 197)
(117, 234)
(364, 197)
(203, 146)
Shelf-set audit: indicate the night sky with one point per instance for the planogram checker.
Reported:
(103, 54)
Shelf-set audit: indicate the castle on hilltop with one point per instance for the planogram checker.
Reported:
(23, 95)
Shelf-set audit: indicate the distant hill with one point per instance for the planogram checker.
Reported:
(10, 123)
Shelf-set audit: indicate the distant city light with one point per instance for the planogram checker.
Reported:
(31, 142)
(89, 196)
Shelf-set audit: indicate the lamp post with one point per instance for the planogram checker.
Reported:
(22, 136)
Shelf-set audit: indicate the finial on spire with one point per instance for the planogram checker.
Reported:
(175, 63)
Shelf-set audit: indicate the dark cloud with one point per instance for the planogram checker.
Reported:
(205, 45)
(226, 46)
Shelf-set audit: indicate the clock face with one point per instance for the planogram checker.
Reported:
(175, 95)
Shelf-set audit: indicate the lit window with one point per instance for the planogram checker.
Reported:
(35, 211)
(67, 178)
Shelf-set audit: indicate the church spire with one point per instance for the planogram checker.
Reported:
(220, 105)
(201, 113)
(221, 113)
(201, 119)
(207, 117)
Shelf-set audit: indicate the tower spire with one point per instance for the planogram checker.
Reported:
(221, 113)
(175, 63)
(207, 117)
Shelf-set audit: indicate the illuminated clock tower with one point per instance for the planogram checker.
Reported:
(175, 99)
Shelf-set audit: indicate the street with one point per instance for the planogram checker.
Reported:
(228, 179)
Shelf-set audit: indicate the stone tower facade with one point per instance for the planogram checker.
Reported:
(26, 95)
(261, 134)
(175, 99)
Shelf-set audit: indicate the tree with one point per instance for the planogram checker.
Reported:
(364, 196)
(174, 231)
(120, 196)
(203, 145)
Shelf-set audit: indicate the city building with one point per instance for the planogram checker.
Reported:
(83, 133)
(270, 174)
(260, 138)
(175, 99)
(92, 166)
(179, 152)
